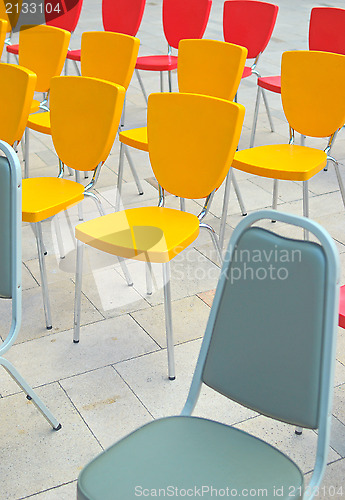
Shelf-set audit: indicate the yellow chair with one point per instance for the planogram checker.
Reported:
(43, 49)
(3, 32)
(308, 114)
(158, 234)
(208, 67)
(83, 132)
(105, 55)
(17, 87)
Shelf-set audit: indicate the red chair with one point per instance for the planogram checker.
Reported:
(66, 20)
(119, 16)
(181, 19)
(326, 33)
(250, 23)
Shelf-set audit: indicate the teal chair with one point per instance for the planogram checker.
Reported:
(270, 346)
(10, 263)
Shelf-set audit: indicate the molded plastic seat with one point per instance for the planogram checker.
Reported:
(326, 33)
(118, 16)
(251, 360)
(309, 115)
(182, 19)
(158, 234)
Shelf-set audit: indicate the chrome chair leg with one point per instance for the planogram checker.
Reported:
(141, 85)
(225, 207)
(59, 236)
(305, 207)
(340, 181)
(134, 172)
(148, 270)
(119, 178)
(161, 81)
(168, 320)
(30, 393)
(122, 121)
(125, 271)
(77, 292)
(267, 110)
(255, 118)
(215, 240)
(169, 81)
(182, 204)
(77, 68)
(239, 196)
(46, 302)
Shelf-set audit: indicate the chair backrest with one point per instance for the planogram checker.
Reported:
(10, 241)
(85, 115)
(3, 32)
(10, 13)
(17, 87)
(185, 19)
(326, 30)
(64, 15)
(271, 335)
(210, 67)
(201, 154)
(313, 106)
(249, 23)
(122, 16)
(109, 56)
(43, 49)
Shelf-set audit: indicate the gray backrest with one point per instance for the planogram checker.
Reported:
(6, 250)
(267, 338)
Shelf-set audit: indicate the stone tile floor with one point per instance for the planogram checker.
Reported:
(115, 379)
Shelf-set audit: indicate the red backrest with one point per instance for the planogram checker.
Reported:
(122, 16)
(327, 30)
(185, 19)
(249, 23)
(63, 14)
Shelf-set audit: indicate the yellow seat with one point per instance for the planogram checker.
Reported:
(207, 67)
(83, 132)
(43, 49)
(158, 234)
(307, 114)
(105, 55)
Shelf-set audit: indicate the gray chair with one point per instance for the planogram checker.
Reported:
(10, 263)
(270, 346)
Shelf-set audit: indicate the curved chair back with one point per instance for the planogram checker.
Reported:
(182, 148)
(210, 67)
(109, 56)
(85, 115)
(10, 15)
(303, 94)
(249, 351)
(3, 32)
(43, 49)
(249, 23)
(17, 87)
(122, 16)
(185, 19)
(66, 20)
(326, 29)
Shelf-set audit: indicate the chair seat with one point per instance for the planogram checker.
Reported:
(247, 72)
(136, 138)
(13, 49)
(44, 197)
(157, 63)
(272, 83)
(35, 106)
(190, 454)
(74, 55)
(147, 233)
(281, 161)
(40, 122)
(342, 307)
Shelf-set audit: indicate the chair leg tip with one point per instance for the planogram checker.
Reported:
(75, 341)
(49, 327)
(29, 398)
(172, 378)
(298, 433)
(244, 215)
(57, 428)
(141, 193)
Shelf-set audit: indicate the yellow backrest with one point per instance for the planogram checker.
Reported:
(192, 140)
(210, 67)
(85, 115)
(43, 49)
(17, 87)
(10, 12)
(312, 91)
(109, 56)
(3, 31)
